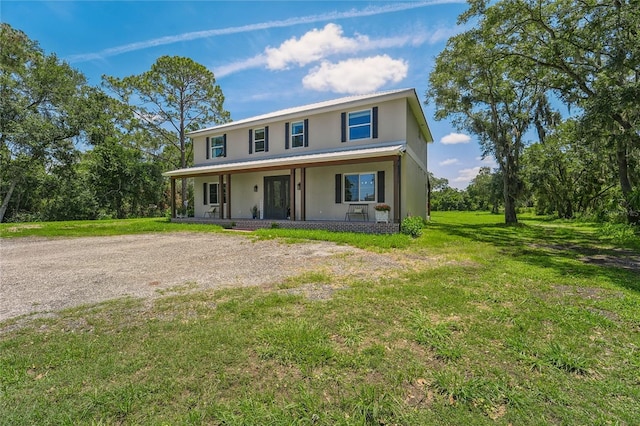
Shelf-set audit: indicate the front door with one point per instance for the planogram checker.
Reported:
(276, 197)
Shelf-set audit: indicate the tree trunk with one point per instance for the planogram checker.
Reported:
(7, 198)
(625, 183)
(510, 191)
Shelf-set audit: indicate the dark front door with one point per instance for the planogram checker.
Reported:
(276, 197)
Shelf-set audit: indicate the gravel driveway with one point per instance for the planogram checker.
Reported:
(40, 275)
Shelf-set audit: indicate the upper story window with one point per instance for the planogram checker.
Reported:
(297, 134)
(360, 125)
(259, 140)
(217, 146)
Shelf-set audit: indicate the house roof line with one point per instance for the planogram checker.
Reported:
(329, 105)
(290, 161)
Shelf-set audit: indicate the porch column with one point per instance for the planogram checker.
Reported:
(292, 195)
(220, 199)
(396, 189)
(228, 196)
(303, 185)
(173, 198)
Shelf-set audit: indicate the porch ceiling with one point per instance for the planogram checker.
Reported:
(307, 160)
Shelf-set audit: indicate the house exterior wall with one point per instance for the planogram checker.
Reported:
(414, 171)
(413, 188)
(324, 133)
(320, 203)
(396, 124)
(320, 190)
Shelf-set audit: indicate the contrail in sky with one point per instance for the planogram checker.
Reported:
(353, 13)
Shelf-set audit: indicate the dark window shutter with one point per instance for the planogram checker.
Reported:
(306, 132)
(208, 148)
(343, 119)
(374, 126)
(250, 141)
(204, 194)
(224, 145)
(286, 135)
(381, 186)
(338, 188)
(266, 138)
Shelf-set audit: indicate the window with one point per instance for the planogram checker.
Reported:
(359, 187)
(213, 193)
(259, 140)
(297, 134)
(360, 125)
(217, 147)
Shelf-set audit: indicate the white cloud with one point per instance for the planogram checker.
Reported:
(356, 76)
(449, 161)
(245, 64)
(467, 175)
(312, 46)
(316, 45)
(455, 138)
(161, 41)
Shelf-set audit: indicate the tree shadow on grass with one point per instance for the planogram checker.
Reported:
(566, 248)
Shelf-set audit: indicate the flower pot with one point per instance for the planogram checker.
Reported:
(382, 216)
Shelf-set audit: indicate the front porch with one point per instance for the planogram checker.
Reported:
(366, 227)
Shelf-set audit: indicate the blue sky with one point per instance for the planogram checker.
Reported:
(266, 55)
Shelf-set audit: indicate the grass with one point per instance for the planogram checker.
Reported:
(488, 324)
(98, 228)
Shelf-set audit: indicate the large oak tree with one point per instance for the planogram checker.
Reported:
(589, 51)
(488, 94)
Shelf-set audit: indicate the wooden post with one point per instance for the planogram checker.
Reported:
(229, 196)
(292, 195)
(173, 198)
(396, 189)
(303, 185)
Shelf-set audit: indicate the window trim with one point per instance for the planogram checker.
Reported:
(359, 200)
(256, 140)
(224, 193)
(350, 126)
(220, 147)
(301, 134)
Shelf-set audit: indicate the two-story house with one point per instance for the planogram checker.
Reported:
(315, 162)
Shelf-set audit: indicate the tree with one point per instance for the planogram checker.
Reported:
(590, 54)
(40, 100)
(567, 174)
(175, 96)
(482, 191)
(490, 95)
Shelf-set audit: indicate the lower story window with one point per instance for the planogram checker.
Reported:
(213, 193)
(359, 187)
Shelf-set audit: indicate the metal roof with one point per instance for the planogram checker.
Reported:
(290, 161)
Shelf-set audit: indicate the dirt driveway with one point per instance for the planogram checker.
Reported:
(45, 275)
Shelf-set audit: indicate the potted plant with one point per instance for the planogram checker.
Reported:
(382, 212)
(254, 211)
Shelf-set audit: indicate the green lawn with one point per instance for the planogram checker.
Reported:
(533, 324)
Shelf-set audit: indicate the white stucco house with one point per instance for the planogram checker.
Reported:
(328, 162)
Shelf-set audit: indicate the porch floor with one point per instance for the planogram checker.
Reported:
(367, 227)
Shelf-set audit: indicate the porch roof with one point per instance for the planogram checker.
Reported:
(308, 160)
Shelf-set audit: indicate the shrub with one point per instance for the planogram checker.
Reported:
(412, 225)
